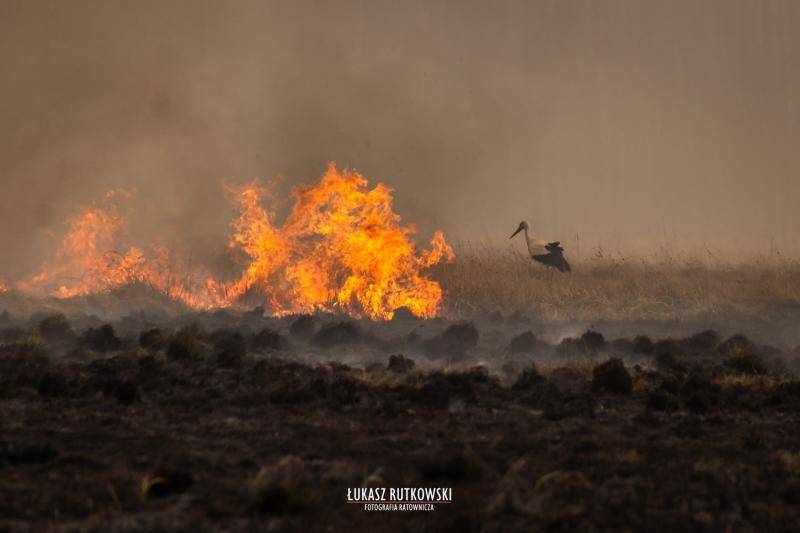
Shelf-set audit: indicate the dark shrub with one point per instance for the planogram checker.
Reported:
(569, 381)
(576, 405)
(590, 343)
(184, 344)
(55, 327)
(336, 334)
(666, 361)
(667, 346)
(698, 402)
(703, 342)
(267, 339)
(529, 377)
(152, 339)
(526, 343)
(612, 376)
(642, 345)
(283, 488)
(12, 334)
(402, 313)
(52, 384)
(518, 319)
(458, 467)
(457, 340)
(400, 364)
(735, 345)
(26, 453)
(593, 342)
(439, 388)
(747, 363)
(179, 349)
(698, 394)
(660, 400)
(302, 327)
(166, 481)
(124, 391)
(621, 345)
(460, 338)
(182, 348)
(102, 339)
(230, 349)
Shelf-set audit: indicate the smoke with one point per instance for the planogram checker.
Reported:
(633, 125)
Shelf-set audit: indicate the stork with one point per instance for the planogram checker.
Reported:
(548, 253)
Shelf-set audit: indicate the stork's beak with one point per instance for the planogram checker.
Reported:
(518, 230)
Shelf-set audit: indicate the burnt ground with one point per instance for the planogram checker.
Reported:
(249, 423)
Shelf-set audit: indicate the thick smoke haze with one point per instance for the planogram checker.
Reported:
(632, 124)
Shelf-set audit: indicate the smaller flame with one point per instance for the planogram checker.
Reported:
(91, 258)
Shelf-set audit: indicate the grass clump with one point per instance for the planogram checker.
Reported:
(152, 339)
(30, 345)
(283, 488)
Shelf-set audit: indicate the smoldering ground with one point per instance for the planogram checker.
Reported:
(222, 419)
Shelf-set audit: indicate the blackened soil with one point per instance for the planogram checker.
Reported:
(141, 441)
(228, 431)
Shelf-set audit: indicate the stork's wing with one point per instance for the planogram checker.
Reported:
(554, 247)
(555, 260)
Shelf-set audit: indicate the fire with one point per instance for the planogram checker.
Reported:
(342, 248)
(86, 259)
(92, 257)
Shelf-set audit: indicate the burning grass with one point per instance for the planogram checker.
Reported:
(342, 248)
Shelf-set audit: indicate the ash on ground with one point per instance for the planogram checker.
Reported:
(237, 420)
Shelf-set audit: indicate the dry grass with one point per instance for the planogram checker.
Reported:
(484, 279)
(27, 345)
(790, 461)
(582, 365)
(754, 382)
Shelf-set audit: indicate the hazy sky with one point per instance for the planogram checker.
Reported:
(633, 123)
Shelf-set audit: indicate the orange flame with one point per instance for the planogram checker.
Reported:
(86, 259)
(342, 248)
(91, 259)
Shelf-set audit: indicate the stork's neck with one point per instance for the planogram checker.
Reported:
(528, 241)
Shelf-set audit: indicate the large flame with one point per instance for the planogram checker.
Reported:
(342, 248)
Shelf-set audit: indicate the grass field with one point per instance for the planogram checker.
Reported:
(484, 278)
